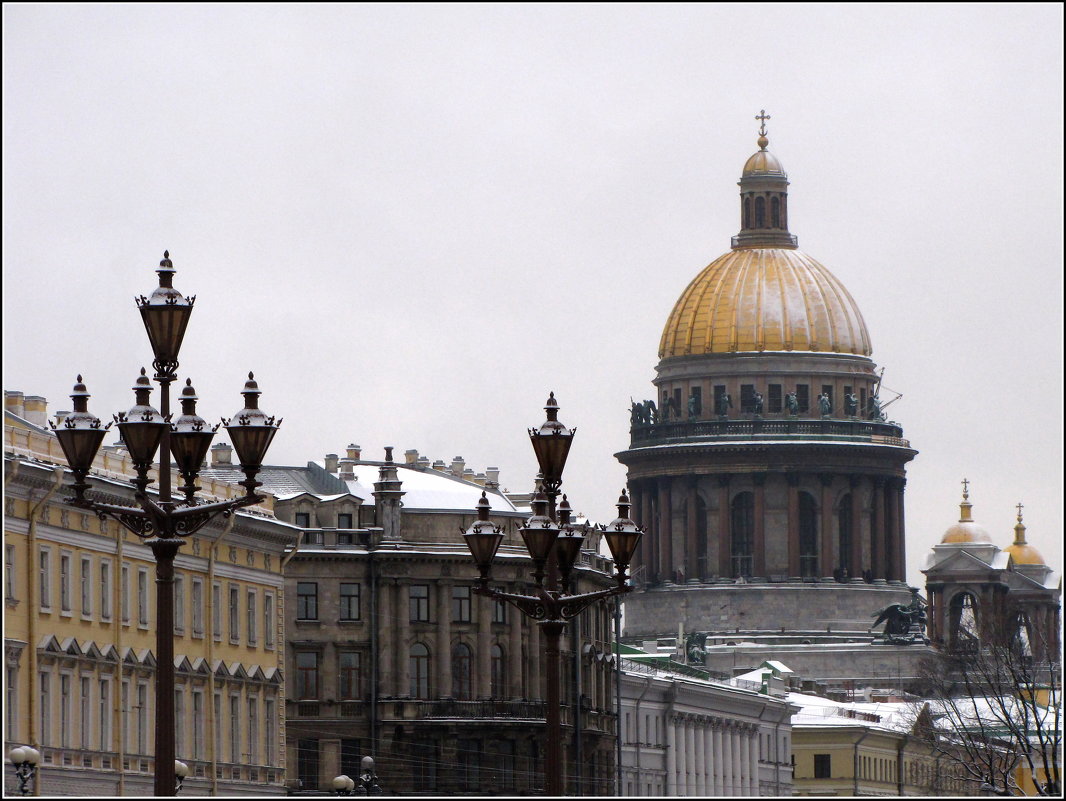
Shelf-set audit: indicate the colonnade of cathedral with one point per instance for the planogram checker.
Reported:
(709, 756)
(789, 523)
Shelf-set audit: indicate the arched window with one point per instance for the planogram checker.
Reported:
(808, 535)
(775, 213)
(962, 621)
(844, 535)
(746, 223)
(419, 669)
(760, 212)
(461, 670)
(499, 681)
(743, 533)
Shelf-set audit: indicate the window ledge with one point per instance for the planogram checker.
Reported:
(65, 613)
(308, 622)
(11, 602)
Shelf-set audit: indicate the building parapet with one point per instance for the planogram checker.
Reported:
(758, 428)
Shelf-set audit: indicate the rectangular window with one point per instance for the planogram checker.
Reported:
(468, 757)
(9, 572)
(678, 414)
(253, 617)
(303, 519)
(11, 706)
(306, 675)
(234, 613)
(803, 397)
(85, 716)
(349, 601)
(197, 607)
(142, 599)
(126, 713)
(179, 722)
(695, 407)
(46, 708)
(307, 763)
(822, 768)
(64, 582)
(105, 590)
(344, 520)
(774, 398)
(268, 620)
(64, 710)
(418, 597)
(747, 398)
(864, 411)
(124, 593)
(460, 604)
(720, 405)
(45, 565)
(197, 724)
(86, 586)
(270, 731)
(306, 600)
(142, 718)
(827, 390)
(105, 715)
(235, 729)
(351, 756)
(253, 730)
(499, 611)
(349, 675)
(216, 611)
(218, 727)
(179, 602)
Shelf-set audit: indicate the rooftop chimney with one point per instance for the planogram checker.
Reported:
(353, 452)
(410, 456)
(492, 476)
(60, 417)
(221, 454)
(331, 462)
(14, 402)
(440, 465)
(35, 410)
(457, 466)
(423, 462)
(347, 468)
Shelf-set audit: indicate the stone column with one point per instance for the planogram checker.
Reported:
(671, 757)
(514, 651)
(692, 559)
(709, 762)
(877, 533)
(666, 545)
(740, 754)
(891, 510)
(825, 557)
(700, 758)
(716, 757)
(793, 525)
(651, 524)
(738, 777)
(483, 677)
(690, 756)
(725, 567)
(758, 563)
(901, 532)
(682, 753)
(753, 762)
(855, 568)
(403, 660)
(387, 644)
(444, 639)
(636, 495)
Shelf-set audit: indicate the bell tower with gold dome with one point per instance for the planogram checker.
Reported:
(764, 468)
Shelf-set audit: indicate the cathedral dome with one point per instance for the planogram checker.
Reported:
(763, 162)
(1021, 552)
(765, 299)
(966, 530)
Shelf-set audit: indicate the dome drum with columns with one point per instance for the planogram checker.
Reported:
(767, 463)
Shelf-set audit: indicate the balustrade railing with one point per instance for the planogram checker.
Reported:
(756, 428)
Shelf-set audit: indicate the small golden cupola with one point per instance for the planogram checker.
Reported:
(764, 199)
(1021, 552)
(966, 530)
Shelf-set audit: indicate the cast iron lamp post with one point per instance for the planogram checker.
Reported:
(367, 784)
(554, 545)
(164, 524)
(181, 770)
(25, 759)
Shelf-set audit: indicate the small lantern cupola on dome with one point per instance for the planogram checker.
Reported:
(966, 530)
(764, 199)
(1021, 552)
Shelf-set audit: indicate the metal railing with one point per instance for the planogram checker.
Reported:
(756, 428)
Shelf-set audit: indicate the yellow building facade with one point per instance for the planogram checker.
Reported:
(79, 631)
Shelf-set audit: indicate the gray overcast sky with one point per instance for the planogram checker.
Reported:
(412, 222)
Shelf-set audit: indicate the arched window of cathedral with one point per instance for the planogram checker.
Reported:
(775, 213)
(703, 568)
(462, 664)
(496, 663)
(1022, 633)
(844, 536)
(808, 535)
(746, 222)
(743, 533)
(419, 669)
(760, 212)
(962, 621)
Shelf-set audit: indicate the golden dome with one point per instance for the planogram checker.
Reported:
(966, 530)
(763, 162)
(765, 299)
(1021, 552)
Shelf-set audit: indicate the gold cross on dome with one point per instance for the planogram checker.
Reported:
(1019, 512)
(762, 116)
(966, 488)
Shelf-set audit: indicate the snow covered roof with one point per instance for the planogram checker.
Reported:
(427, 489)
(895, 716)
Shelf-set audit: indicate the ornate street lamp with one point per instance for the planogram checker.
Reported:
(181, 770)
(164, 524)
(368, 779)
(25, 760)
(343, 785)
(554, 545)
